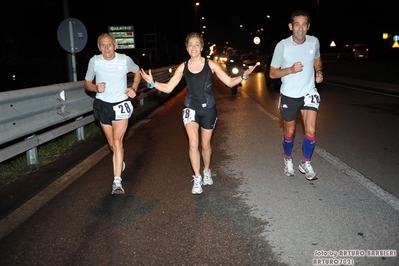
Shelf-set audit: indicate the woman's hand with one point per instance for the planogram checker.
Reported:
(249, 71)
(147, 77)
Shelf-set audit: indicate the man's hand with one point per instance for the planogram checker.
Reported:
(297, 67)
(130, 92)
(319, 77)
(100, 87)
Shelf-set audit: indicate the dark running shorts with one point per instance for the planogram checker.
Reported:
(205, 117)
(290, 108)
(105, 112)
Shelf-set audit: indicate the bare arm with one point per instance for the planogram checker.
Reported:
(226, 79)
(131, 92)
(136, 81)
(164, 87)
(318, 66)
(276, 73)
(91, 86)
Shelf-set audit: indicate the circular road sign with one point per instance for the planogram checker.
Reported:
(72, 35)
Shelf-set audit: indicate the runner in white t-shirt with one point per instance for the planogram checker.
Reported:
(107, 76)
(296, 60)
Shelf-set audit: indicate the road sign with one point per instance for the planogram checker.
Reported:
(72, 35)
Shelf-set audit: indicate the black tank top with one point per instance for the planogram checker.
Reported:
(199, 86)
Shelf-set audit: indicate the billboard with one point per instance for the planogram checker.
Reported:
(124, 36)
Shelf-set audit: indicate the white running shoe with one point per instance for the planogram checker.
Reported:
(197, 187)
(306, 168)
(117, 187)
(288, 167)
(208, 177)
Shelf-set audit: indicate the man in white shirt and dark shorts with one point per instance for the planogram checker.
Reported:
(296, 60)
(107, 76)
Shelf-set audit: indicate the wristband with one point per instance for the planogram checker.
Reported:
(244, 77)
(152, 85)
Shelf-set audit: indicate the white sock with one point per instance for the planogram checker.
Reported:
(116, 178)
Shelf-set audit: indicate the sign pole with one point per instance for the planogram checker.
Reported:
(72, 51)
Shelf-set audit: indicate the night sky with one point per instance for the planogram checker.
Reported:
(30, 29)
(343, 21)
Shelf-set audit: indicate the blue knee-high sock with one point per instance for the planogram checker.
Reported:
(308, 146)
(288, 143)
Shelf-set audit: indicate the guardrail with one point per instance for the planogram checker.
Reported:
(33, 116)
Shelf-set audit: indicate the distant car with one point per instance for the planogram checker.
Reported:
(234, 68)
(273, 84)
(234, 65)
(219, 58)
(250, 60)
(354, 51)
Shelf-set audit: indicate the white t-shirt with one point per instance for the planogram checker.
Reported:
(286, 53)
(113, 73)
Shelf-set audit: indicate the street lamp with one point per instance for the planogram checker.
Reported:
(196, 17)
(270, 37)
(270, 18)
(202, 24)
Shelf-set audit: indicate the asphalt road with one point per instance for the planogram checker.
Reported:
(252, 215)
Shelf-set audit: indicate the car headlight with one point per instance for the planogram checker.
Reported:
(235, 71)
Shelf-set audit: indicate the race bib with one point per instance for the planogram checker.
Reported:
(188, 115)
(312, 100)
(123, 110)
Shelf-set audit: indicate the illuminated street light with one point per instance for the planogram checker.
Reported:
(196, 16)
(270, 31)
(385, 35)
(202, 26)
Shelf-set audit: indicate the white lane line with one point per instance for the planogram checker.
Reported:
(367, 183)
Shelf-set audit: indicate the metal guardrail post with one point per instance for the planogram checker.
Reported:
(80, 132)
(31, 155)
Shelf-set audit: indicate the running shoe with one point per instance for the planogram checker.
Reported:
(288, 167)
(208, 177)
(197, 187)
(306, 168)
(117, 187)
